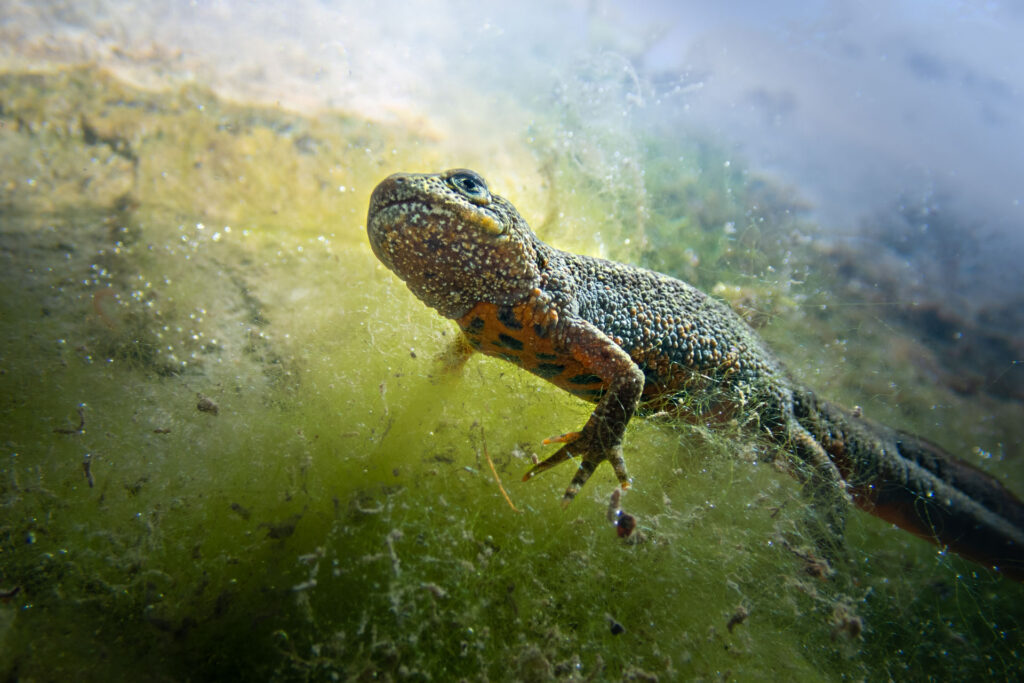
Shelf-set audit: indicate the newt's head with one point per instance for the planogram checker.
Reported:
(453, 242)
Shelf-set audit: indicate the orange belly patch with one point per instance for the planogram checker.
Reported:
(510, 333)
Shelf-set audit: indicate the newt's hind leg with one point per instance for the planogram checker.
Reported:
(824, 486)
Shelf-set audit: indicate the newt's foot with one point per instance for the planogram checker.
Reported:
(577, 444)
(454, 356)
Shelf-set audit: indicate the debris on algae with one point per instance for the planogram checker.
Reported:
(229, 455)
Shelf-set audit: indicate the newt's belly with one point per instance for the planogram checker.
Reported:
(510, 333)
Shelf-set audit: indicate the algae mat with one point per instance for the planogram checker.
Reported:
(229, 452)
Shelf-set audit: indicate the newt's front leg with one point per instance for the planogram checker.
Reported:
(601, 437)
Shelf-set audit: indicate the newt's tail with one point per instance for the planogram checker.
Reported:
(919, 487)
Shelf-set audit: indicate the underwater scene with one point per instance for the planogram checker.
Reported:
(237, 447)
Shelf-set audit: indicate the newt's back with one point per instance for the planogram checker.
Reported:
(679, 337)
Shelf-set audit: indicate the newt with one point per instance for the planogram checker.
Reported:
(634, 341)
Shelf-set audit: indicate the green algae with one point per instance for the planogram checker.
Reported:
(336, 516)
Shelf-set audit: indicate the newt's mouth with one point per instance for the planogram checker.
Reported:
(393, 190)
(382, 199)
(385, 205)
(387, 214)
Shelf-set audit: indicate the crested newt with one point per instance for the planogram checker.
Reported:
(637, 342)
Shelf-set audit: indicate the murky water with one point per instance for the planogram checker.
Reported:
(229, 450)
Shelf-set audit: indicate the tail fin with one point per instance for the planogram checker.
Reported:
(921, 488)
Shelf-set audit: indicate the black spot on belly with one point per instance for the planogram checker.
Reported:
(547, 356)
(475, 325)
(510, 342)
(584, 379)
(540, 331)
(474, 342)
(510, 358)
(548, 370)
(507, 317)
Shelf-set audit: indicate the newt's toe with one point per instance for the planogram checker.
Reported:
(560, 456)
(583, 473)
(568, 437)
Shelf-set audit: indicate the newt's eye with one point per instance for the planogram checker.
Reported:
(470, 185)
